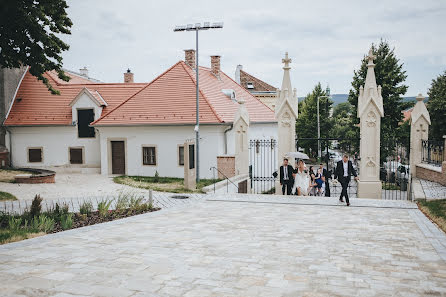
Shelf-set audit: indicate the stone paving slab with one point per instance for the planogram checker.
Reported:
(216, 248)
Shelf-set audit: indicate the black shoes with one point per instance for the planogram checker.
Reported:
(341, 200)
(348, 204)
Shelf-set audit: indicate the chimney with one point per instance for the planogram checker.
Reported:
(189, 58)
(128, 77)
(237, 73)
(215, 65)
(84, 71)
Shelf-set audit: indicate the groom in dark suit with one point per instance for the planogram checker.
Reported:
(286, 177)
(343, 173)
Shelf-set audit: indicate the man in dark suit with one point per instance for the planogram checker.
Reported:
(343, 173)
(286, 177)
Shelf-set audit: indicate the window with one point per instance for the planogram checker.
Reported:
(181, 155)
(250, 85)
(35, 155)
(149, 155)
(84, 118)
(191, 156)
(76, 155)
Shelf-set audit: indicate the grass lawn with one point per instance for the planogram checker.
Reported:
(8, 236)
(6, 196)
(161, 184)
(435, 210)
(7, 175)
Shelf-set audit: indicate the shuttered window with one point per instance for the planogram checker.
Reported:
(181, 155)
(149, 155)
(35, 155)
(76, 156)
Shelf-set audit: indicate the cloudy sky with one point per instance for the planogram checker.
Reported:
(325, 39)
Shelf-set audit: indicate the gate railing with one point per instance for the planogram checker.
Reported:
(432, 152)
(262, 165)
(226, 178)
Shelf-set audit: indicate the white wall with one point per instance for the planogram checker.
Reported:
(256, 131)
(55, 142)
(166, 139)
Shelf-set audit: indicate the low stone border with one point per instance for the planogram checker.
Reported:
(36, 176)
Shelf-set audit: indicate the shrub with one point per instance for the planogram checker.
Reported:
(36, 206)
(66, 221)
(14, 223)
(42, 223)
(86, 208)
(135, 202)
(122, 201)
(156, 177)
(103, 207)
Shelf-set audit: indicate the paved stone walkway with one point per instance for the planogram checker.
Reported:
(227, 247)
(433, 190)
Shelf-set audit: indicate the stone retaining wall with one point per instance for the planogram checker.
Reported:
(432, 173)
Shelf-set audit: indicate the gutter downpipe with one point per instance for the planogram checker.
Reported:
(226, 138)
(10, 145)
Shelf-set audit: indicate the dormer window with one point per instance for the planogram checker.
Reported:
(84, 118)
(250, 85)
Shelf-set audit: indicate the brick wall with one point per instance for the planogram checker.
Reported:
(4, 159)
(226, 164)
(439, 176)
(47, 179)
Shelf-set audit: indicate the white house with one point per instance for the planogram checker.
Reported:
(130, 128)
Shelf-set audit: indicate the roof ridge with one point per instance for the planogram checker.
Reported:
(247, 92)
(126, 100)
(202, 94)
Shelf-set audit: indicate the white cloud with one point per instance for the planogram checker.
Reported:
(325, 39)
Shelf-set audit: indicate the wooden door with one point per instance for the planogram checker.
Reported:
(118, 157)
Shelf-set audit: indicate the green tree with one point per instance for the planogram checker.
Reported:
(437, 107)
(343, 127)
(391, 76)
(28, 36)
(306, 124)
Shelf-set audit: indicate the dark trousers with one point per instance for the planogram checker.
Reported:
(344, 183)
(288, 186)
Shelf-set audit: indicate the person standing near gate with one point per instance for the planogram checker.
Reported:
(326, 181)
(286, 177)
(343, 173)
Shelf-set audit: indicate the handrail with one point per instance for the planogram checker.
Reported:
(227, 178)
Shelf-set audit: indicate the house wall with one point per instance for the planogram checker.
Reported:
(85, 102)
(166, 139)
(55, 142)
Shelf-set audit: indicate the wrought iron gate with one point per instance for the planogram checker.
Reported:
(394, 169)
(262, 165)
(332, 151)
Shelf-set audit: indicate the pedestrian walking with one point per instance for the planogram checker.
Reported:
(343, 173)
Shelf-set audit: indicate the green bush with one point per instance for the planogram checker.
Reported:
(86, 208)
(14, 223)
(103, 207)
(36, 206)
(122, 201)
(66, 221)
(156, 177)
(42, 223)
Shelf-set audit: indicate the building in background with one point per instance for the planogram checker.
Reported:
(263, 91)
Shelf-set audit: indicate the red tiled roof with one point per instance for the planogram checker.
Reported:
(74, 78)
(170, 98)
(259, 85)
(37, 106)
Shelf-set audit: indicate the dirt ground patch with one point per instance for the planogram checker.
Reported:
(7, 176)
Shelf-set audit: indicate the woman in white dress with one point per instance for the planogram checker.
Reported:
(301, 180)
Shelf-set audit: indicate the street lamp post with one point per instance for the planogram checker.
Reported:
(197, 27)
(327, 92)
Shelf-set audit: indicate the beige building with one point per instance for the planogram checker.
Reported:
(263, 91)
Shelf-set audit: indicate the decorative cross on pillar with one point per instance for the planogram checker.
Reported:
(286, 61)
(242, 135)
(421, 128)
(371, 57)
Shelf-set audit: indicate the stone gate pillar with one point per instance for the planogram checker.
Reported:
(241, 126)
(370, 111)
(419, 130)
(286, 115)
(189, 165)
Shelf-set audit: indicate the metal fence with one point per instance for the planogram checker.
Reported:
(432, 152)
(262, 165)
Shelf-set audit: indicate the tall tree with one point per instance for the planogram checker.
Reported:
(343, 127)
(437, 107)
(28, 36)
(391, 76)
(306, 124)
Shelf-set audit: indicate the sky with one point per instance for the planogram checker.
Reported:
(326, 40)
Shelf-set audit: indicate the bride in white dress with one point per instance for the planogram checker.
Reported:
(301, 180)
